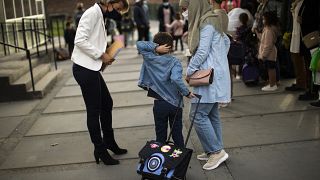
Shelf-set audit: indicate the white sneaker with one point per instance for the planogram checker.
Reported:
(269, 88)
(215, 160)
(203, 157)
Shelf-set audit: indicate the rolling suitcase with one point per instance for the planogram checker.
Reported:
(165, 161)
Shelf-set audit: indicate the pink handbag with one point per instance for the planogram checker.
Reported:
(201, 78)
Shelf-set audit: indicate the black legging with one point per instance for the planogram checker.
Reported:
(98, 102)
(178, 38)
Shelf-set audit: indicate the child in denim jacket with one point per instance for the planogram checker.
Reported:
(161, 75)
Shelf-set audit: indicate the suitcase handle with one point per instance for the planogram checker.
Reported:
(194, 116)
(189, 131)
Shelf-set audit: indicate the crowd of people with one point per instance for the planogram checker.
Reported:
(212, 27)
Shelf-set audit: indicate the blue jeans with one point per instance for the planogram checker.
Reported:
(208, 126)
(164, 112)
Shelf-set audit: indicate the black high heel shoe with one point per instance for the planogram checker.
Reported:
(105, 157)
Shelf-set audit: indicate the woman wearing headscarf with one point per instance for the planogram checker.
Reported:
(209, 47)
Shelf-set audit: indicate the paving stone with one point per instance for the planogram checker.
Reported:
(270, 129)
(8, 125)
(123, 68)
(75, 122)
(124, 171)
(293, 161)
(114, 87)
(266, 103)
(72, 148)
(116, 77)
(240, 89)
(17, 108)
(119, 100)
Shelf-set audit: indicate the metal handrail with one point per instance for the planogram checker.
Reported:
(29, 59)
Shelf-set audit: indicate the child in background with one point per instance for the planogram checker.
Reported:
(161, 75)
(177, 25)
(267, 48)
(127, 26)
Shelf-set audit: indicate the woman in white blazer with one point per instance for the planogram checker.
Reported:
(88, 56)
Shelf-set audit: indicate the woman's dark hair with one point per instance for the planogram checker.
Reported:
(163, 38)
(244, 19)
(270, 19)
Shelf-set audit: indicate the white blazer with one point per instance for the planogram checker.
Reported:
(91, 39)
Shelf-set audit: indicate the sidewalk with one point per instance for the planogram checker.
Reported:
(267, 135)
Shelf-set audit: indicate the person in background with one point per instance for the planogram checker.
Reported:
(161, 75)
(267, 48)
(127, 27)
(88, 56)
(228, 5)
(177, 26)
(79, 11)
(296, 57)
(209, 46)
(234, 21)
(69, 35)
(141, 21)
(165, 16)
(309, 14)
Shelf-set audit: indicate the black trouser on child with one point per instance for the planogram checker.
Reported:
(164, 112)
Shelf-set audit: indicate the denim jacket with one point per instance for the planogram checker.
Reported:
(212, 53)
(161, 73)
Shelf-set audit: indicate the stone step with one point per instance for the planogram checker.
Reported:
(44, 85)
(15, 69)
(38, 72)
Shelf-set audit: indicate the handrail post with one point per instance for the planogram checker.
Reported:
(14, 36)
(3, 38)
(30, 67)
(45, 35)
(36, 36)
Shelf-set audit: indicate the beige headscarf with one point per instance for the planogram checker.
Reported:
(200, 13)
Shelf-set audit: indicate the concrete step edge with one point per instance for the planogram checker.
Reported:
(44, 85)
(38, 72)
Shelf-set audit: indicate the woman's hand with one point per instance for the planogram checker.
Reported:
(107, 59)
(163, 49)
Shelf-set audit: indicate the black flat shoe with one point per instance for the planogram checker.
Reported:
(308, 96)
(294, 87)
(315, 104)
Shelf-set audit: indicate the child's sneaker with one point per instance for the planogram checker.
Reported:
(202, 157)
(269, 88)
(215, 160)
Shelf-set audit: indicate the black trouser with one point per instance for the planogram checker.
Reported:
(143, 33)
(312, 88)
(162, 112)
(178, 38)
(98, 103)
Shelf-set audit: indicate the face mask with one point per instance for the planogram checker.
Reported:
(185, 15)
(115, 15)
(166, 3)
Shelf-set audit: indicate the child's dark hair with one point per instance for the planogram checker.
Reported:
(178, 16)
(244, 19)
(271, 19)
(162, 38)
